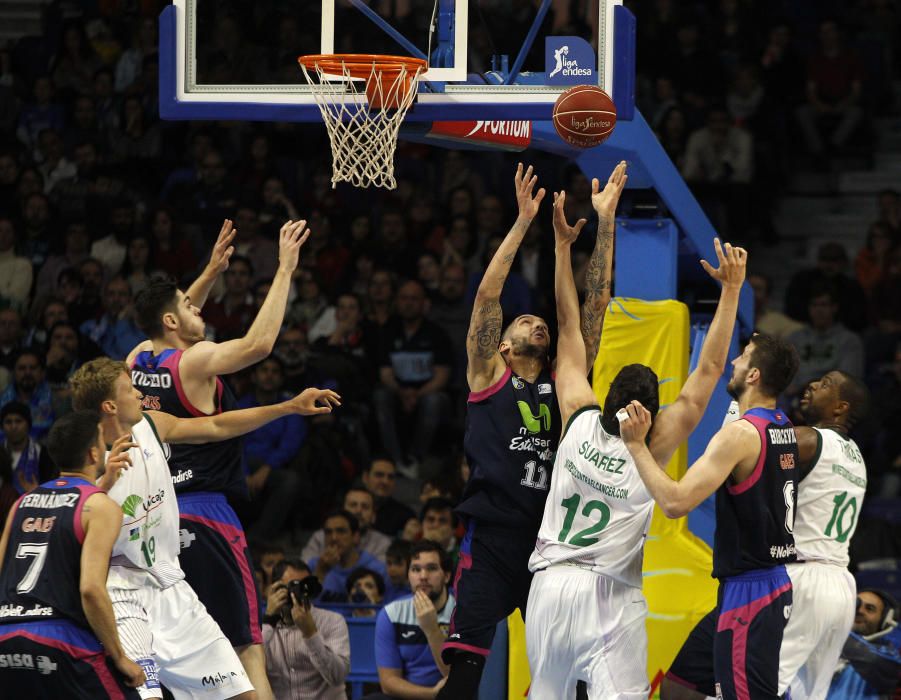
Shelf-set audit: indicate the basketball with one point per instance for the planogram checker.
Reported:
(584, 116)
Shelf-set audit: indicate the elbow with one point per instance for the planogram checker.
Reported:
(91, 593)
(673, 508)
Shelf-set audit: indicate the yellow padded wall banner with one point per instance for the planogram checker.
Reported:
(677, 582)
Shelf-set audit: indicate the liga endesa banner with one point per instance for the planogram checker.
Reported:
(677, 582)
(506, 135)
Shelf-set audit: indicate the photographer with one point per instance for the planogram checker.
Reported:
(366, 587)
(307, 649)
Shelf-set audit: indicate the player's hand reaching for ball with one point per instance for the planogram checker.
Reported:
(223, 249)
(290, 239)
(606, 200)
(525, 184)
(134, 674)
(634, 425)
(733, 262)
(311, 402)
(564, 234)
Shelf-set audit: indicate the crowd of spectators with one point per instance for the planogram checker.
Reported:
(97, 195)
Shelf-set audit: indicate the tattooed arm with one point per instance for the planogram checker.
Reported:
(484, 364)
(597, 276)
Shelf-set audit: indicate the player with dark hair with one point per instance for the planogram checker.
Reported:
(587, 614)
(57, 630)
(832, 480)
(178, 372)
(752, 465)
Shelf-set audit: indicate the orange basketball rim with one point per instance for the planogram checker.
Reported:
(379, 71)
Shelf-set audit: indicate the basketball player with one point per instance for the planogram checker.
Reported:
(163, 625)
(178, 372)
(586, 610)
(830, 494)
(511, 436)
(58, 634)
(752, 464)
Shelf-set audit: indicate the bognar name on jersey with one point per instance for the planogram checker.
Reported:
(27, 662)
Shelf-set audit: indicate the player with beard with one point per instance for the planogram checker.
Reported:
(178, 371)
(512, 428)
(752, 465)
(833, 479)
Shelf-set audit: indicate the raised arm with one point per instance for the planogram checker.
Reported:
(733, 445)
(223, 426)
(218, 263)
(597, 275)
(206, 359)
(674, 424)
(573, 389)
(484, 363)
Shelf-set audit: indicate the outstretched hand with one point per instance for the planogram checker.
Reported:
(291, 238)
(223, 249)
(564, 234)
(311, 402)
(606, 200)
(525, 184)
(733, 262)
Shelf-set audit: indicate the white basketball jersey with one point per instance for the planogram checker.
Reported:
(598, 510)
(830, 498)
(148, 539)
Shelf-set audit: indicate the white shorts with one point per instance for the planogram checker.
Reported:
(586, 626)
(823, 608)
(169, 631)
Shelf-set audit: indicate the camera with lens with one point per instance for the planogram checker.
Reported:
(304, 590)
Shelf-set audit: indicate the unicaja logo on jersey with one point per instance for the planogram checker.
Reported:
(569, 60)
(534, 423)
(130, 505)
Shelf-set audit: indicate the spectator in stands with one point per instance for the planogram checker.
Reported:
(831, 268)
(397, 562)
(49, 312)
(252, 243)
(75, 61)
(307, 649)
(54, 166)
(767, 320)
(76, 249)
(110, 249)
(341, 555)
(30, 462)
(834, 76)
(310, 303)
(233, 312)
(130, 63)
(268, 555)
(414, 369)
(825, 343)
(719, 164)
(870, 665)
(269, 452)
(37, 228)
(437, 520)
(410, 631)
(366, 587)
(872, 260)
(42, 113)
(361, 503)
(10, 337)
(169, 250)
(138, 266)
(115, 330)
(67, 350)
(29, 386)
(450, 311)
(380, 300)
(15, 271)
(380, 479)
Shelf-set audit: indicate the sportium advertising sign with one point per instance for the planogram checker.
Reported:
(569, 60)
(507, 135)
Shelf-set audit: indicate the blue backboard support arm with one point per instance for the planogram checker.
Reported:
(527, 43)
(378, 21)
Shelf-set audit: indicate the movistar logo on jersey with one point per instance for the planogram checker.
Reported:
(533, 423)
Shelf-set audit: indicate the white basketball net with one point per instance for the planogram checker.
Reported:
(363, 139)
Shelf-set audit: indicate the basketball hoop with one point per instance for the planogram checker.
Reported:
(363, 125)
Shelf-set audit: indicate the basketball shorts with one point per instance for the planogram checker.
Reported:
(217, 564)
(754, 608)
(491, 581)
(586, 626)
(693, 665)
(57, 659)
(822, 615)
(170, 633)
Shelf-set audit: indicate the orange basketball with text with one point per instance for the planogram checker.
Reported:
(584, 116)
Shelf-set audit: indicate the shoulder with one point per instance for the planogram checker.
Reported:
(398, 610)
(329, 617)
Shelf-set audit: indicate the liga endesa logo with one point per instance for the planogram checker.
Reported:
(589, 123)
(569, 60)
